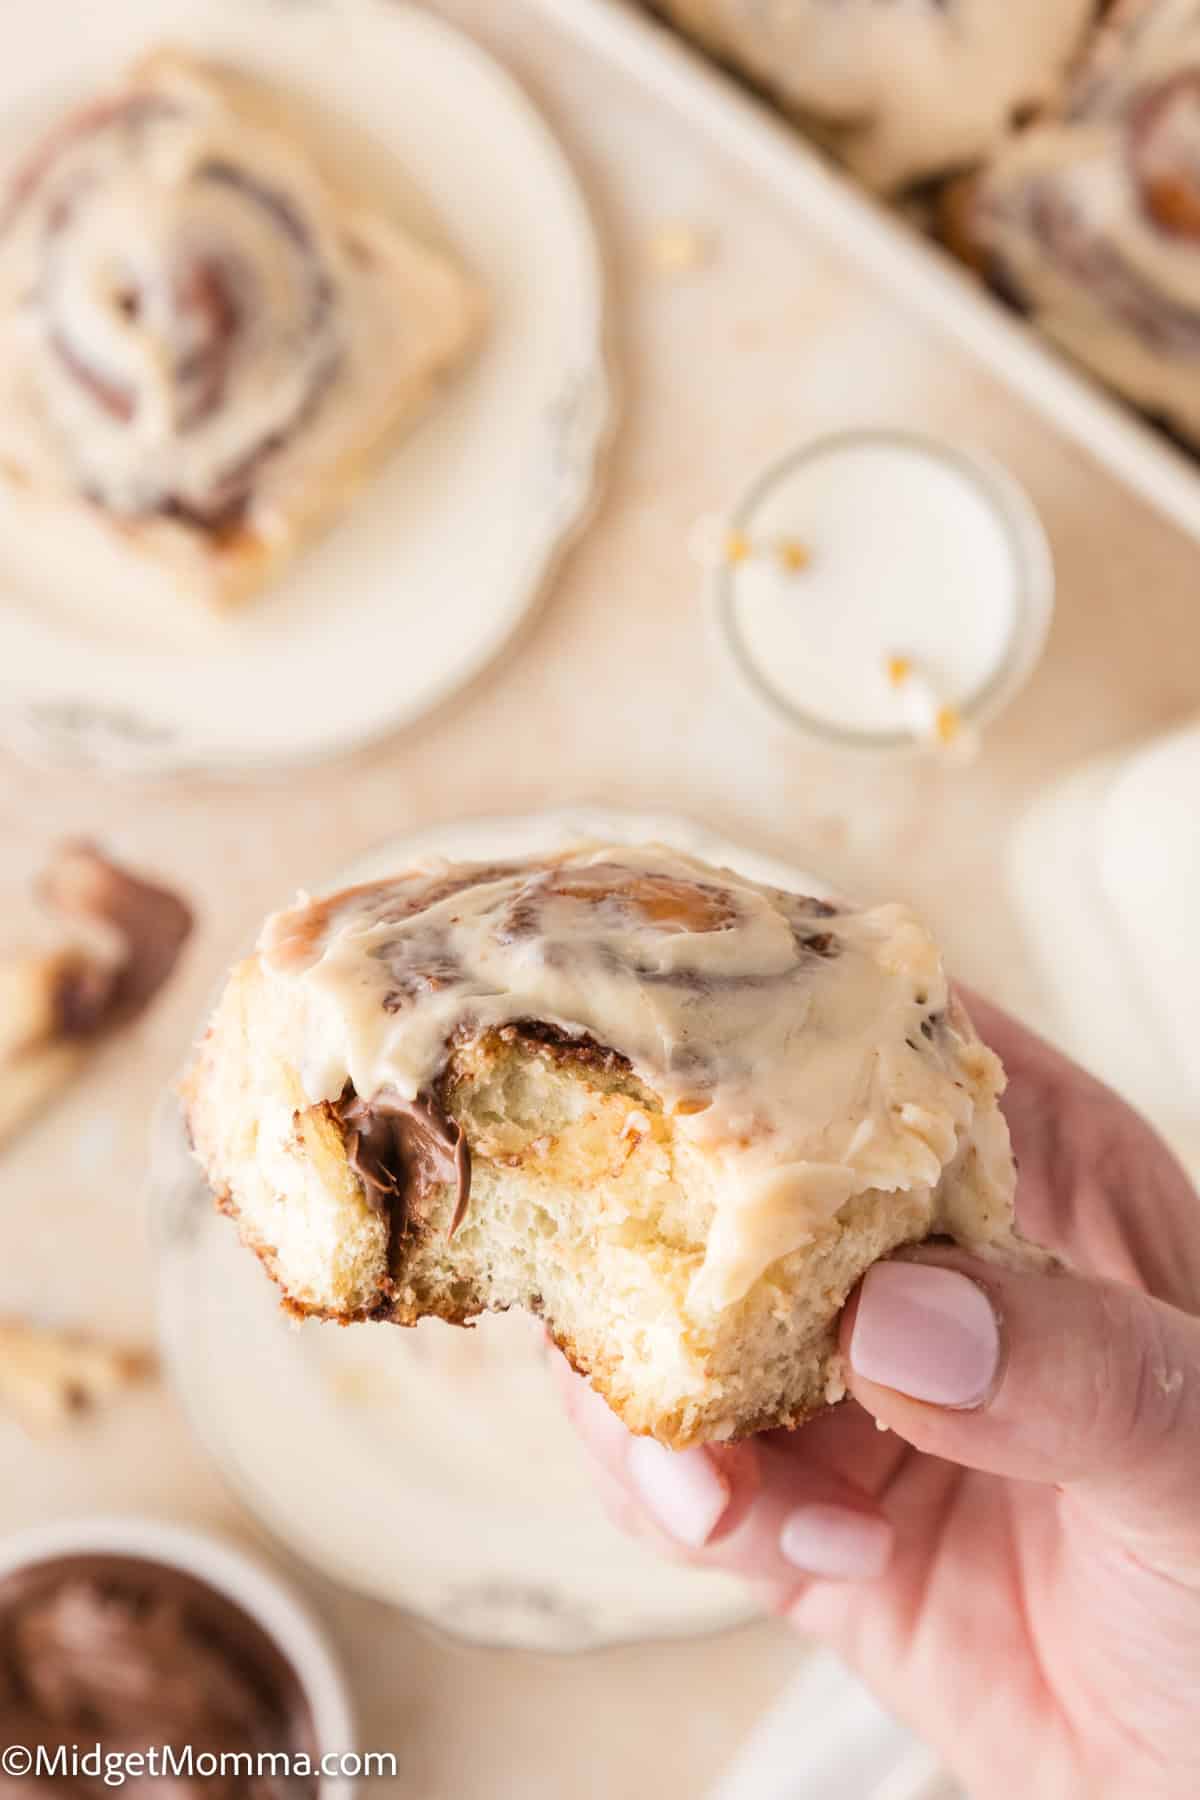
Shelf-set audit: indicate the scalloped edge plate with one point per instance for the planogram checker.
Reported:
(448, 548)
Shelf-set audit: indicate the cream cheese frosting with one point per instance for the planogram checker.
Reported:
(1092, 222)
(904, 89)
(178, 280)
(809, 1051)
(201, 333)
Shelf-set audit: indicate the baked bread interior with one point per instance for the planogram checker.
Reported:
(674, 1113)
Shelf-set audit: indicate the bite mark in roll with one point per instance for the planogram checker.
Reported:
(674, 1112)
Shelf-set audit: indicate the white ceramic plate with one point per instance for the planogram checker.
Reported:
(446, 551)
(432, 1468)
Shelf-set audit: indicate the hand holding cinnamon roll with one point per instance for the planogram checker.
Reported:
(673, 1112)
(201, 339)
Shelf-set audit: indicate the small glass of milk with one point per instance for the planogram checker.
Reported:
(884, 591)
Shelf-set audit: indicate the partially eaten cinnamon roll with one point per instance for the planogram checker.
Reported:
(1091, 222)
(902, 90)
(674, 1113)
(56, 1005)
(204, 344)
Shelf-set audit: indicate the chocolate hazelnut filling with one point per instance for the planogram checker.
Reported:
(403, 1151)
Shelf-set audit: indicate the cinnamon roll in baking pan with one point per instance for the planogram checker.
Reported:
(899, 90)
(673, 1112)
(1091, 222)
(204, 343)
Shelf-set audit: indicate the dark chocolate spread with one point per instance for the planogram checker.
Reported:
(401, 1150)
(133, 1656)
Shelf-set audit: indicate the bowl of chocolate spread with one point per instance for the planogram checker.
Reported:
(131, 1646)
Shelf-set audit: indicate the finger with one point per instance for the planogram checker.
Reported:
(807, 1522)
(761, 1512)
(1097, 1182)
(696, 1497)
(850, 1442)
(1039, 1376)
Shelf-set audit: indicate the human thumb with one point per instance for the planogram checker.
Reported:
(1039, 1375)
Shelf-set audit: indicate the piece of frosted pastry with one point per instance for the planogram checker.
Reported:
(57, 1004)
(204, 343)
(49, 1376)
(1091, 224)
(900, 91)
(674, 1113)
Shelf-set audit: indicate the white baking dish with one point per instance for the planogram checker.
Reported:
(915, 270)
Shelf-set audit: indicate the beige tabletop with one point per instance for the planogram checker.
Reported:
(614, 694)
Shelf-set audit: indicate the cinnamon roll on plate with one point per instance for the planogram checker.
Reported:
(1091, 224)
(902, 90)
(671, 1111)
(204, 342)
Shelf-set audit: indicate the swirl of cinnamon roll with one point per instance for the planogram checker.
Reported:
(777, 1028)
(1091, 222)
(645, 954)
(903, 91)
(671, 1111)
(1163, 146)
(180, 284)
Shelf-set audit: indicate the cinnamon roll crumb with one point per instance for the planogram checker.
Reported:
(49, 1376)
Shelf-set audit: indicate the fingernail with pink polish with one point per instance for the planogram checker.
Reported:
(680, 1489)
(929, 1333)
(836, 1542)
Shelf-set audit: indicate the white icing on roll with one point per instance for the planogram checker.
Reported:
(1093, 222)
(906, 88)
(809, 1053)
(177, 274)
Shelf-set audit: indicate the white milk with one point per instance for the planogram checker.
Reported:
(913, 553)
